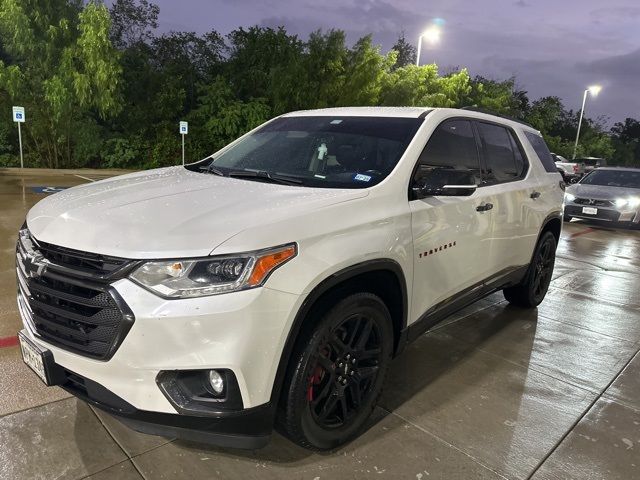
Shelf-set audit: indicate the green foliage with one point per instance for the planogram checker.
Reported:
(405, 52)
(102, 88)
(221, 118)
(422, 86)
(132, 23)
(626, 142)
(63, 69)
(120, 153)
(500, 97)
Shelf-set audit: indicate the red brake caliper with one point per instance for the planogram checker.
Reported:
(315, 379)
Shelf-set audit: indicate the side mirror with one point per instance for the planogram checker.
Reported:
(445, 182)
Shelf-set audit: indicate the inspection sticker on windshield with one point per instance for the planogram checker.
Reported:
(362, 178)
(336, 122)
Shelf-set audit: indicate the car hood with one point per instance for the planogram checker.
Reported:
(602, 192)
(170, 212)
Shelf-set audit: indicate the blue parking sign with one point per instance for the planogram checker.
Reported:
(18, 114)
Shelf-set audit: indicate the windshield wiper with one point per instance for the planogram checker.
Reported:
(261, 175)
(211, 169)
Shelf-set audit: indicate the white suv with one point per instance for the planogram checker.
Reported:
(273, 282)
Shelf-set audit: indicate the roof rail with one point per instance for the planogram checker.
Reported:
(472, 108)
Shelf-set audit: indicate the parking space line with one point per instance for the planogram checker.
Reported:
(581, 232)
(83, 177)
(8, 341)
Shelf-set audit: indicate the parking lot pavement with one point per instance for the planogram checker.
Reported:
(492, 392)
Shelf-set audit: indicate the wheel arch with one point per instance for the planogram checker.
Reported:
(553, 224)
(383, 277)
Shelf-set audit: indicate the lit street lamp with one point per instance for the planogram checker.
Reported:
(431, 35)
(594, 90)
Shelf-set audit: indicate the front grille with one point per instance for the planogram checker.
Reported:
(594, 202)
(82, 262)
(67, 305)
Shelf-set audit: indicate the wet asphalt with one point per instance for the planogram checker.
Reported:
(492, 392)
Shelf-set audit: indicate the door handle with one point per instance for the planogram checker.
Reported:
(535, 195)
(485, 207)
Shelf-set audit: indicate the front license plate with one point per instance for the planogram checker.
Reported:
(590, 210)
(33, 356)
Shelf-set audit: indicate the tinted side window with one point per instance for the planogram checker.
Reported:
(452, 145)
(499, 153)
(521, 163)
(541, 149)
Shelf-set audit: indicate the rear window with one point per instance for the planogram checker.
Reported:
(541, 149)
(502, 155)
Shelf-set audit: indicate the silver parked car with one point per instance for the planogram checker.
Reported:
(607, 194)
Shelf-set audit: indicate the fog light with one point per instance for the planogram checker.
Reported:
(216, 382)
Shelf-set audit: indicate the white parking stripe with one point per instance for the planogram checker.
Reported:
(86, 178)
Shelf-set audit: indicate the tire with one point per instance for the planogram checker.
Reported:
(337, 373)
(532, 290)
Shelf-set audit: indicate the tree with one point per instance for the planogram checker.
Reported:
(626, 141)
(627, 131)
(221, 118)
(545, 114)
(266, 63)
(406, 53)
(64, 70)
(132, 22)
(501, 97)
(74, 64)
(423, 87)
(365, 68)
(324, 66)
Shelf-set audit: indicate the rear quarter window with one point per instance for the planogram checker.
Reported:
(541, 149)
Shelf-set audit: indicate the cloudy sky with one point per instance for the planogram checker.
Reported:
(553, 47)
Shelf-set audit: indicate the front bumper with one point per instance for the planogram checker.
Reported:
(606, 214)
(249, 428)
(243, 332)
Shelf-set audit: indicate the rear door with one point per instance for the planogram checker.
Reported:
(451, 237)
(513, 190)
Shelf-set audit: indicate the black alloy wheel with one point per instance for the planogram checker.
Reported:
(339, 373)
(532, 290)
(345, 367)
(544, 263)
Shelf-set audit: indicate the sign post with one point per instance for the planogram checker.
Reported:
(18, 117)
(184, 129)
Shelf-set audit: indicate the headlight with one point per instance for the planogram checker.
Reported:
(631, 202)
(569, 198)
(213, 275)
(634, 202)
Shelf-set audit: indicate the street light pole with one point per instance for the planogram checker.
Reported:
(595, 89)
(584, 101)
(433, 36)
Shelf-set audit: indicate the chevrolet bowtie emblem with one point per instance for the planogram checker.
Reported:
(33, 265)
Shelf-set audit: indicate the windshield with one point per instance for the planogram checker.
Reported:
(613, 178)
(334, 152)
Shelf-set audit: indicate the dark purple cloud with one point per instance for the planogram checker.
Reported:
(553, 47)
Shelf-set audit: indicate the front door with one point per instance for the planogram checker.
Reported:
(451, 234)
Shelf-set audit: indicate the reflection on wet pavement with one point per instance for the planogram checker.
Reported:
(492, 392)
